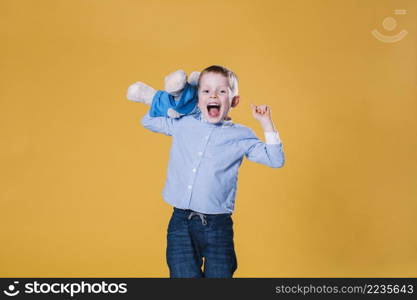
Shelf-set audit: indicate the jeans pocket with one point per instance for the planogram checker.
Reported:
(222, 223)
(175, 224)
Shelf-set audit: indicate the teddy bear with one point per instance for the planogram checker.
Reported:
(179, 97)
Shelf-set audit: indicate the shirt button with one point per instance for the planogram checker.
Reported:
(194, 170)
(189, 187)
(200, 153)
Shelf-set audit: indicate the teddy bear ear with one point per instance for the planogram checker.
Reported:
(193, 78)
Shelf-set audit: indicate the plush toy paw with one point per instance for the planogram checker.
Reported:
(173, 113)
(140, 92)
(175, 82)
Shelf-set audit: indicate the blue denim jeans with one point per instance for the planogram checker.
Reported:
(192, 237)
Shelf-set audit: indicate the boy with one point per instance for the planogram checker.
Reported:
(207, 150)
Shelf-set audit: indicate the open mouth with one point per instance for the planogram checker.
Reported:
(213, 110)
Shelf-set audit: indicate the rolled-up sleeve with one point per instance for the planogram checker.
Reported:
(271, 155)
(163, 125)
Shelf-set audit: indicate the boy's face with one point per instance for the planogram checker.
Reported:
(214, 97)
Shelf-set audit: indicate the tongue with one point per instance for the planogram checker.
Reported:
(214, 112)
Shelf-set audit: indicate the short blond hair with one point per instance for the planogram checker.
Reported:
(230, 75)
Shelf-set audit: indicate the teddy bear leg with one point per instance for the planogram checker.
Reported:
(140, 92)
(175, 83)
(193, 78)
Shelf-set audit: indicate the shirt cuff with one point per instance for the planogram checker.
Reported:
(272, 137)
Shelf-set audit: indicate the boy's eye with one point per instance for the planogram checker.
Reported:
(222, 91)
(205, 91)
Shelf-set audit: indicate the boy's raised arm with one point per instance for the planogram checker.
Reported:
(269, 153)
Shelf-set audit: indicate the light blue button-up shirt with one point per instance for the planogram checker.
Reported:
(205, 158)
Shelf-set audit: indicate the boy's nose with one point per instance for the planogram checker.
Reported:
(213, 96)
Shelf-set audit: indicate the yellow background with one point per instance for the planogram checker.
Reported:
(81, 179)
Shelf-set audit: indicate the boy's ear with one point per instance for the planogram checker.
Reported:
(235, 101)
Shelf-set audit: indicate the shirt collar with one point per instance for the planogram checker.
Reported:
(223, 123)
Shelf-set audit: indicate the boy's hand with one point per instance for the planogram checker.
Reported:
(262, 113)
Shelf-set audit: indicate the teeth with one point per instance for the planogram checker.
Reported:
(213, 105)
